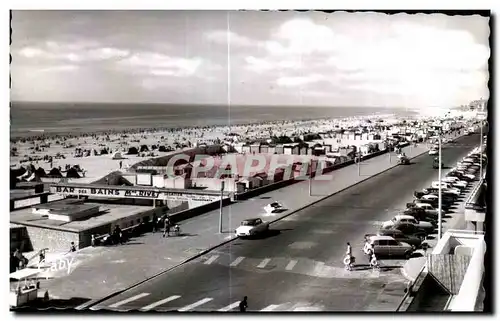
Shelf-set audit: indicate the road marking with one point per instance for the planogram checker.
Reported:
(230, 307)
(154, 305)
(211, 259)
(291, 265)
(136, 297)
(237, 261)
(270, 308)
(263, 263)
(319, 267)
(194, 305)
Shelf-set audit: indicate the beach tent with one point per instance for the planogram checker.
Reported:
(118, 155)
(55, 172)
(72, 173)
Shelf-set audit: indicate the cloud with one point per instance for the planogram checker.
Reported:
(162, 65)
(224, 37)
(344, 59)
(82, 51)
(258, 65)
(299, 81)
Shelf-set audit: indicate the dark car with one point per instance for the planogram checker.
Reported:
(459, 176)
(420, 214)
(409, 229)
(401, 237)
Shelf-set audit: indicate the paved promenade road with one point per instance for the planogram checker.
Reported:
(297, 267)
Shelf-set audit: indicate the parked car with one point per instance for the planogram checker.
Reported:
(399, 236)
(444, 191)
(384, 246)
(428, 208)
(252, 227)
(410, 230)
(460, 175)
(434, 203)
(424, 225)
(455, 180)
(436, 184)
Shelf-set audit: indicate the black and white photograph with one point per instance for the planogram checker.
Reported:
(250, 161)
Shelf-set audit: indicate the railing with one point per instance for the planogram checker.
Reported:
(471, 201)
(411, 291)
(465, 231)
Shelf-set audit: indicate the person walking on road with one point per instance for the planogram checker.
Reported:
(368, 249)
(166, 227)
(154, 222)
(244, 304)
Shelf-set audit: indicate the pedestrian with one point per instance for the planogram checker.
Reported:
(244, 304)
(368, 249)
(154, 221)
(72, 247)
(166, 227)
(121, 164)
(41, 256)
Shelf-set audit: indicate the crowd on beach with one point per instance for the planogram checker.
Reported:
(59, 153)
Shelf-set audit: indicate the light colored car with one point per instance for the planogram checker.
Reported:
(429, 209)
(448, 187)
(272, 207)
(430, 197)
(252, 227)
(388, 246)
(455, 182)
(433, 151)
(454, 179)
(407, 219)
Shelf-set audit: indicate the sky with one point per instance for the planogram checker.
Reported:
(249, 58)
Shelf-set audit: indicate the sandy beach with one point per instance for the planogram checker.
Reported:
(85, 149)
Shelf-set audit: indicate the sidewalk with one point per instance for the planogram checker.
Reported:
(101, 271)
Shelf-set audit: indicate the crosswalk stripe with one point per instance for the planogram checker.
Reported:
(122, 302)
(291, 265)
(211, 259)
(263, 263)
(270, 307)
(230, 307)
(194, 305)
(154, 305)
(237, 261)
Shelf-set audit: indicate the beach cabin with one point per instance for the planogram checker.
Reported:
(255, 148)
(279, 149)
(264, 149)
(271, 149)
(245, 149)
(24, 293)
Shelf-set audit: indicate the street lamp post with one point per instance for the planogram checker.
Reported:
(310, 178)
(359, 164)
(220, 209)
(440, 204)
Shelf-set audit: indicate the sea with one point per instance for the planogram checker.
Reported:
(31, 119)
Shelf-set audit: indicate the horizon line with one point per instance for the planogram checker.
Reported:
(215, 105)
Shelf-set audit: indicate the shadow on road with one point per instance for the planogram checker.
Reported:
(58, 304)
